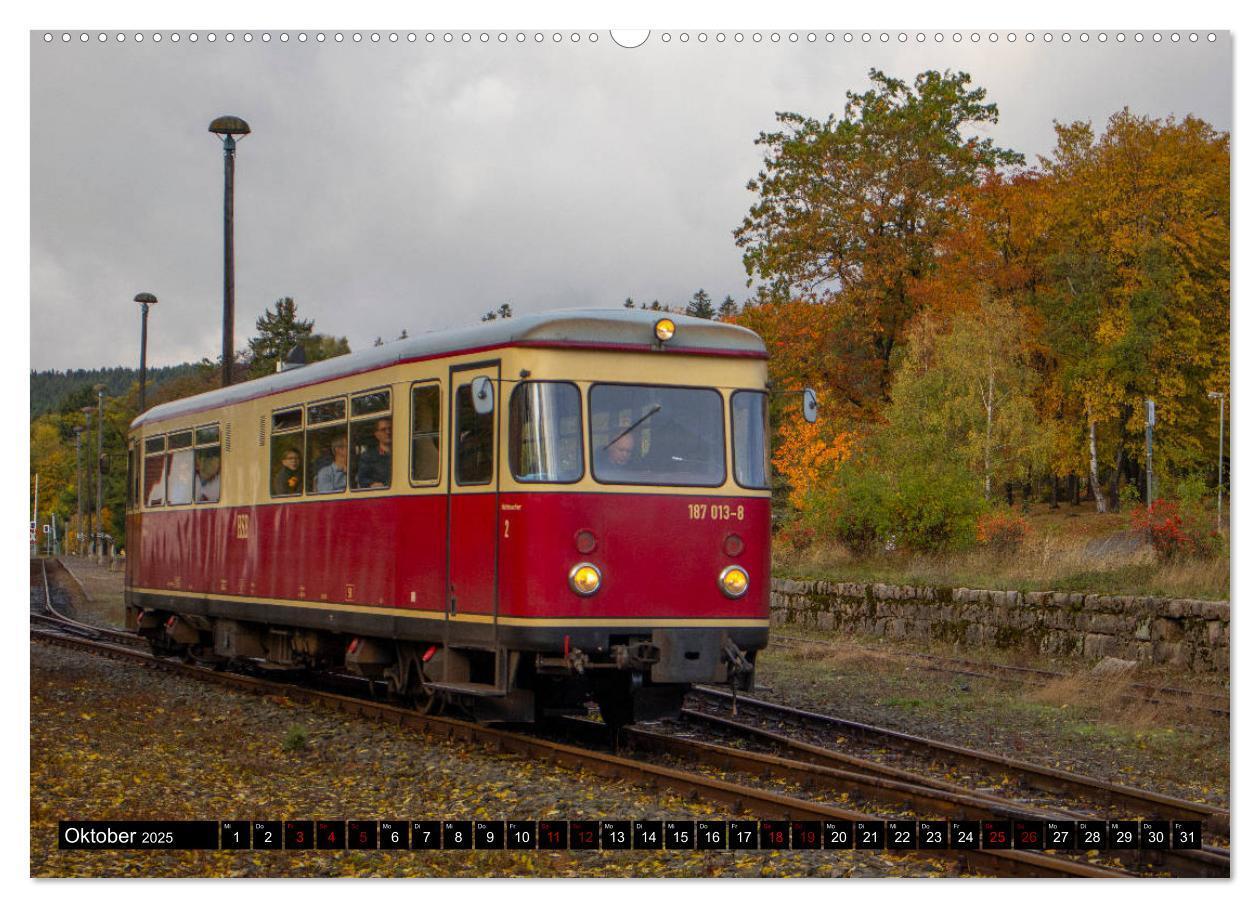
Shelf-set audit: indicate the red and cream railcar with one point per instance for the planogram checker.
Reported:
(515, 517)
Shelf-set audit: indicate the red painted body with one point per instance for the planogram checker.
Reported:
(660, 557)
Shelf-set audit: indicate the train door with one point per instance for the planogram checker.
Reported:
(472, 509)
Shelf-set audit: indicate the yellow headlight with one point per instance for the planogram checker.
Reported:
(584, 579)
(664, 329)
(733, 581)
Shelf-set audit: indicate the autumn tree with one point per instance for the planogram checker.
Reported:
(852, 207)
(966, 386)
(1136, 302)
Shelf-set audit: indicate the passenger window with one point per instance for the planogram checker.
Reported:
(371, 449)
(179, 475)
(474, 441)
(207, 435)
(370, 403)
(131, 476)
(154, 477)
(286, 420)
(328, 454)
(209, 474)
(426, 433)
(286, 464)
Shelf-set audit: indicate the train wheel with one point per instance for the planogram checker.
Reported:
(427, 702)
(615, 696)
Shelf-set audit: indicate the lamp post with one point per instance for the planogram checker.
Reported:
(1219, 397)
(145, 300)
(100, 469)
(228, 128)
(87, 428)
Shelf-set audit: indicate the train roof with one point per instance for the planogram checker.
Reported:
(629, 329)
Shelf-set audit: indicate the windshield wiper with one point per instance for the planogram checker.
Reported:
(656, 408)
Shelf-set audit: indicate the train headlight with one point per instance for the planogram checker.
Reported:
(664, 329)
(585, 579)
(733, 581)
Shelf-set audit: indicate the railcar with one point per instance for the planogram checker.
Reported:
(516, 518)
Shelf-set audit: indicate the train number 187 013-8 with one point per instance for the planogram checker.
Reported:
(715, 511)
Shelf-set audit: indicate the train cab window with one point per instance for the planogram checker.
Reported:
(545, 440)
(286, 452)
(750, 421)
(207, 477)
(371, 441)
(154, 472)
(426, 432)
(474, 446)
(327, 448)
(654, 435)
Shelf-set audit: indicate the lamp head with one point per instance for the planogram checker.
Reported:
(147, 299)
(229, 126)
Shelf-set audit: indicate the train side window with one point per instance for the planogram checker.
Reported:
(286, 452)
(426, 432)
(179, 475)
(370, 403)
(131, 476)
(474, 448)
(326, 447)
(154, 472)
(286, 420)
(371, 452)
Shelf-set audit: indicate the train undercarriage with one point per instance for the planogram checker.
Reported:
(632, 677)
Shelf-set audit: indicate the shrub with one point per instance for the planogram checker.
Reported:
(1177, 532)
(795, 536)
(1002, 531)
(921, 507)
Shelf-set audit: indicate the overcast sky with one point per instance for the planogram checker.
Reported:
(416, 185)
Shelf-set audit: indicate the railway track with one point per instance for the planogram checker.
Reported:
(1206, 702)
(762, 803)
(1103, 796)
(817, 771)
(47, 614)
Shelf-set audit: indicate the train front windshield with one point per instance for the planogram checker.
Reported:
(648, 435)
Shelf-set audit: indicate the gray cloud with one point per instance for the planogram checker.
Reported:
(416, 186)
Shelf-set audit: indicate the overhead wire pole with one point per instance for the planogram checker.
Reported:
(1219, 397)
(78, 490)
(100, 469)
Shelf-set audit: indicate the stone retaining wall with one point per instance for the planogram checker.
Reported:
(1187, 633)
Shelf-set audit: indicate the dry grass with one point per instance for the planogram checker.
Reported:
(1069, 549)
(1107, 696)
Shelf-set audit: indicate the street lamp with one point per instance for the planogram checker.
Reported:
(1219, 397)
(145, 300)
(228, 128)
